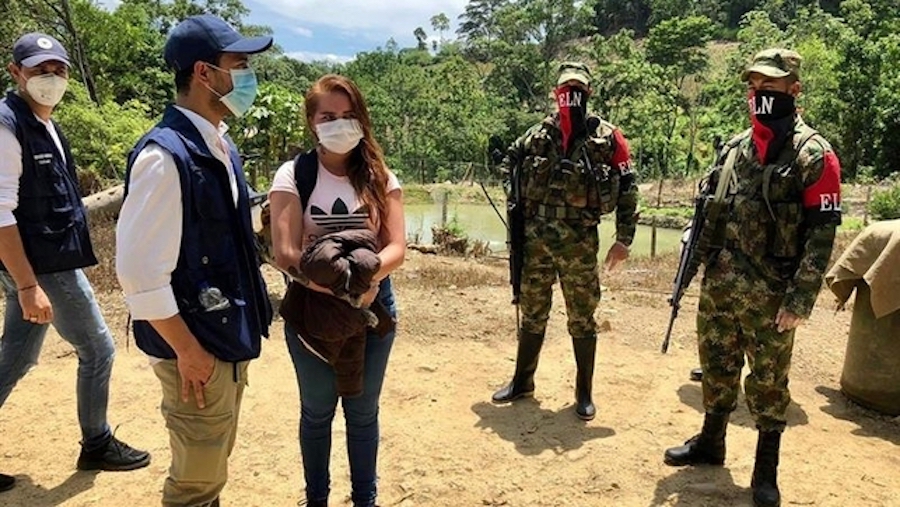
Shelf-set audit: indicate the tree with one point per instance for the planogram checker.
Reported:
(478, 28)
(678, 47)
(421, 39)
(531, 36)
(612, 16)
(859, 75)
(440, 23)
(101, 136)
(271, 131)
(168, 13)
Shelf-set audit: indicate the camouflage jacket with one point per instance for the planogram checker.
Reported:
(594, 178)
(783, 216)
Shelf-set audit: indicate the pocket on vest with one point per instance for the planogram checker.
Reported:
(751, 228)
(226, 332)
(50, 240)
(609, 193)
(538, 170)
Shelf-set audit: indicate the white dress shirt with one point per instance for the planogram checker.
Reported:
(11, 169)
(148, 234)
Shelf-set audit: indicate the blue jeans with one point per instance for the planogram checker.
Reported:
(77, 319)
(318, 401)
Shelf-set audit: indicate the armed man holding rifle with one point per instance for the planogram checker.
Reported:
(562, 175)
(766, 238)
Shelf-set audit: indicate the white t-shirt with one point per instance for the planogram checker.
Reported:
(333, 206)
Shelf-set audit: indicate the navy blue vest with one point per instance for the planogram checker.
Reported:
(50, 216)
(217, 249)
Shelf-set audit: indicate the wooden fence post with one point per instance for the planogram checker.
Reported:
(653, 221)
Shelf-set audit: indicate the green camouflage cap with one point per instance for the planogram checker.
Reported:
(576, 71)
(775, 62)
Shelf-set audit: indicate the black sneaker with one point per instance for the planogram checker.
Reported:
(7, 482)
(116, 456)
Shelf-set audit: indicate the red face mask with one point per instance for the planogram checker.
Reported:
(572, 104)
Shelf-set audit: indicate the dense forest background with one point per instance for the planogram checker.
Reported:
(666, 72)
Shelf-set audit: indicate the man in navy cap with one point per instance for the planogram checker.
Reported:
(44, 244)
(186, 258)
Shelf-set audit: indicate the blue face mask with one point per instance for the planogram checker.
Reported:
(243, 91)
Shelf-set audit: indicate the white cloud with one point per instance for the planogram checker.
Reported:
(299, 30)
(394, 18)
(308, 56)
(109, 4)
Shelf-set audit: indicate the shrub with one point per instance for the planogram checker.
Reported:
(450, 238)
(101, 136)
(885, 204)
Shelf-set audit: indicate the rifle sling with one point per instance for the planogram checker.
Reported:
(728, 176)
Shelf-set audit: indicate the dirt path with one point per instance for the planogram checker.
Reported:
(444, 444)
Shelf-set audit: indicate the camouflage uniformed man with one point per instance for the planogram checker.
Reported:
(764, 270)
(574, 167)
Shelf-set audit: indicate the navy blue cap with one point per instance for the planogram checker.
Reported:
(33, 49)
(202, 38)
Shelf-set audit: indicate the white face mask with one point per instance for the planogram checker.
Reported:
(339, 136)
(46, 89)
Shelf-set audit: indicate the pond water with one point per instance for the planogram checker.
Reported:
(480, 221)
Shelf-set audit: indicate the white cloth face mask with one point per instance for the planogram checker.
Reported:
(46, 89)
(339, 136)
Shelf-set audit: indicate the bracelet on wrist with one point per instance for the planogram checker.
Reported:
(28, 287)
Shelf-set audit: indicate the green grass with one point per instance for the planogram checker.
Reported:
(416, 194)
(456, 193)
(851, 224)
(678, 212)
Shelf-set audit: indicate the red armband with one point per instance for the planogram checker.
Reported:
(621, 158)
(825, 194)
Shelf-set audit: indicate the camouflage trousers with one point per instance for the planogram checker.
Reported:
(567, 251)
(736, 319)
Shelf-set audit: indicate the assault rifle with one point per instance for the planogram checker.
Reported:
(699, 241)
(514, 222)
(688, 264)
(515, 242)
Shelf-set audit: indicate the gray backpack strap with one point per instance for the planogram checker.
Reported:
(767, 178)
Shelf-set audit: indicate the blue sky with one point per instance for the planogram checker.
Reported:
(339, 29)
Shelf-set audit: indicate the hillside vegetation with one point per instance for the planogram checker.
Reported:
(665, 71)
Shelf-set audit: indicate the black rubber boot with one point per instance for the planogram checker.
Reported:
(765, 472)
(7, 482)
(697, 374)
(522, 384)
(317, 503)
(707, 448)
(585, 353)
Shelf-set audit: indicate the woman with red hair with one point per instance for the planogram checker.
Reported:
(351, 189)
